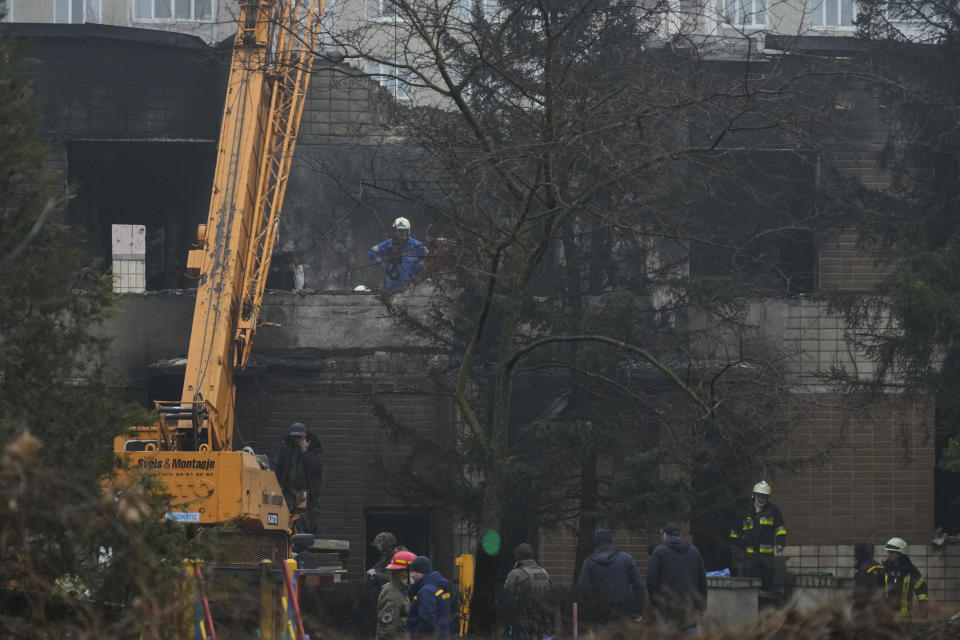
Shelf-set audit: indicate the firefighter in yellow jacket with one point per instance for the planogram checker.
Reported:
(902, 580)
(761, 531)
(394, 600)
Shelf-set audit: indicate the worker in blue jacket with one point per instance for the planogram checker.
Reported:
(431, 609)
(400, 256)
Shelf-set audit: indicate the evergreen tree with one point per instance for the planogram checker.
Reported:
(80, 560)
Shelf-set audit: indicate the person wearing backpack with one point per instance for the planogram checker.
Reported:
(526, 592)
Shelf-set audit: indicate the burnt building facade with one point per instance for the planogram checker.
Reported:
(133, 119)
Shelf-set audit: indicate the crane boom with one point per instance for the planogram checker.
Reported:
(269, 74)
(190, 446)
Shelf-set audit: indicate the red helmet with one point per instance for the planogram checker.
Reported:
(402, 560)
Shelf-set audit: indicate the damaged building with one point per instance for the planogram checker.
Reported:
(133, 117)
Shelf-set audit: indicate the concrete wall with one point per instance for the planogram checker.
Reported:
(811, 591)
(312, 326)
(731, 601)
(815, 341)
(940, 566)
(844, 265)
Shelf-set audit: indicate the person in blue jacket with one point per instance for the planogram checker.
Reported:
(431, 608)
(400, 256)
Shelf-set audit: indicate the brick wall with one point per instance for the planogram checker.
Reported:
(558, 551)
(877, 477)
(820, 343)
(817, 345)
(858, 153)
(342, 105)
(843, 265)
(877, 481)
(335, 404)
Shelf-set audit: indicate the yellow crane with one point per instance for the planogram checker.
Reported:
(190, 448)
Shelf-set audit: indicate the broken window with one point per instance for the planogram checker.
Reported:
(466, 9)
(194, 10)
(163, 187)
(395, 79)
(745, 13)
(382, 9)
(128, 259)
(833, 13)
(76, 11)
(759, 203)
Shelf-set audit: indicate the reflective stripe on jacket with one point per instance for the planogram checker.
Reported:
(430, 611)
(901, 580)
(760, 532)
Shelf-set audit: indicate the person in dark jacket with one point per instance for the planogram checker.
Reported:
(760, 533)
(868, 575)
(431, 609)
(612, 579)
(676, 581)
(902, 581)
(299, 470)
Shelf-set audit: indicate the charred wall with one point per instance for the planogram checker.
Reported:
(99, 82)
(327, 363)
(135, 116)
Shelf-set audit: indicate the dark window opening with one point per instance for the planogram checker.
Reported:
(797, 261)
(163, 186)
(759, 203)
(411, 528)
(283, 271)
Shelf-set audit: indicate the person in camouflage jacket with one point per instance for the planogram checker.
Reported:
(393, 602)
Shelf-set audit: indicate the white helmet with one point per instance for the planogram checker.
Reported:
(402, 224)
(361, 287)
(762, 487)
(897, 544)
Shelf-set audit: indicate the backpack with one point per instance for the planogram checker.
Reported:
(537, 578)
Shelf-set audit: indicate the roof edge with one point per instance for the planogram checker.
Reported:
(102, 31)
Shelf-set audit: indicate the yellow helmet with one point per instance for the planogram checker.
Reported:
(762, 487)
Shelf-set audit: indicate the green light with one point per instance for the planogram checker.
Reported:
(490, 542)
